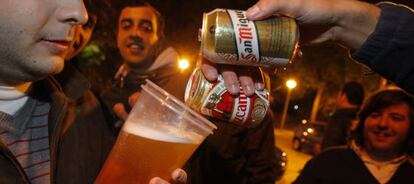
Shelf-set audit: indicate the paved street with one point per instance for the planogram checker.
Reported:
(296, 160)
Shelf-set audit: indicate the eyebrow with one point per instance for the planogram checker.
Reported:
(129, 20)
(146, 21)
(398, 114)
(126, 20)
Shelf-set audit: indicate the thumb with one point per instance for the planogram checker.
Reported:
(266, 8)
(179, 176)
(158, 180)
(261, 10)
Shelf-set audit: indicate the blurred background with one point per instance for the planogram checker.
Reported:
(319, 73)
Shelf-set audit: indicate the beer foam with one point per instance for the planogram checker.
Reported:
(155, 134)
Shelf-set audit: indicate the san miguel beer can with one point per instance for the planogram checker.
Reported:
(228, 37)
(213, 100)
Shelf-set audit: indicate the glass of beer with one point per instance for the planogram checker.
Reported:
(159, 136)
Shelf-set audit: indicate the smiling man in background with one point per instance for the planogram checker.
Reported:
(381, 150)
(141, 43)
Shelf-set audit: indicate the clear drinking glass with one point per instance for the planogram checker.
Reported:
(159, 135)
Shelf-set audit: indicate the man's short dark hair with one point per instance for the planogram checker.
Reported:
(98, 11)
(354, 92)
(381, 100)
(99, 19)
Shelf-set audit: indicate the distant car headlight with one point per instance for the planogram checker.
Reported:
(304, 121)
(284, 160)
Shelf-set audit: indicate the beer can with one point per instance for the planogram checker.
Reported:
(228, 37)
(213, 100)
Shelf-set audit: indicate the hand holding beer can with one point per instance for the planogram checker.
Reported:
(212, 99)
(159, 135)
(228, 37)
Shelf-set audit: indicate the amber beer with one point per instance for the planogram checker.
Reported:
(142, 153)
(228, 37)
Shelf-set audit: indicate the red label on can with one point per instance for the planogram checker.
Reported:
(218, 103)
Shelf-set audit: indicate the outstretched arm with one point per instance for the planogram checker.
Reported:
(348, 22)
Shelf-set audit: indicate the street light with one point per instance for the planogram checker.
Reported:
(290, 84)
(183, 64)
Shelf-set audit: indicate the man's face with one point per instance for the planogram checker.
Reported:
(386, 130)
(137, 34)
(35, 37)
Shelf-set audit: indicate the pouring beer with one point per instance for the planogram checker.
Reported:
(160, 134)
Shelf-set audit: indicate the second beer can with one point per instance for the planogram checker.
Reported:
(228, 37)
(213, 100)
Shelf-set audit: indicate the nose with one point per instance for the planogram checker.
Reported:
(137, 31)
(72, 12)
(383, 121)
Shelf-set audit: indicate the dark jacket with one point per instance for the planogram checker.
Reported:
(161, 72)
(123, 88)
(389, 49)
(80, 138)
(343, 166)
(338, 127)
(235, 154)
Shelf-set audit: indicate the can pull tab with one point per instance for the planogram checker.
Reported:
(200, 34)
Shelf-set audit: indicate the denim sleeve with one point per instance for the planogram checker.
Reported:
(389, 50)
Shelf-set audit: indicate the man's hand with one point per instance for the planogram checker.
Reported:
(179, 176)
(249, 78)
(132, 99)
(119, 108)
(120, 111)
(347, 22)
